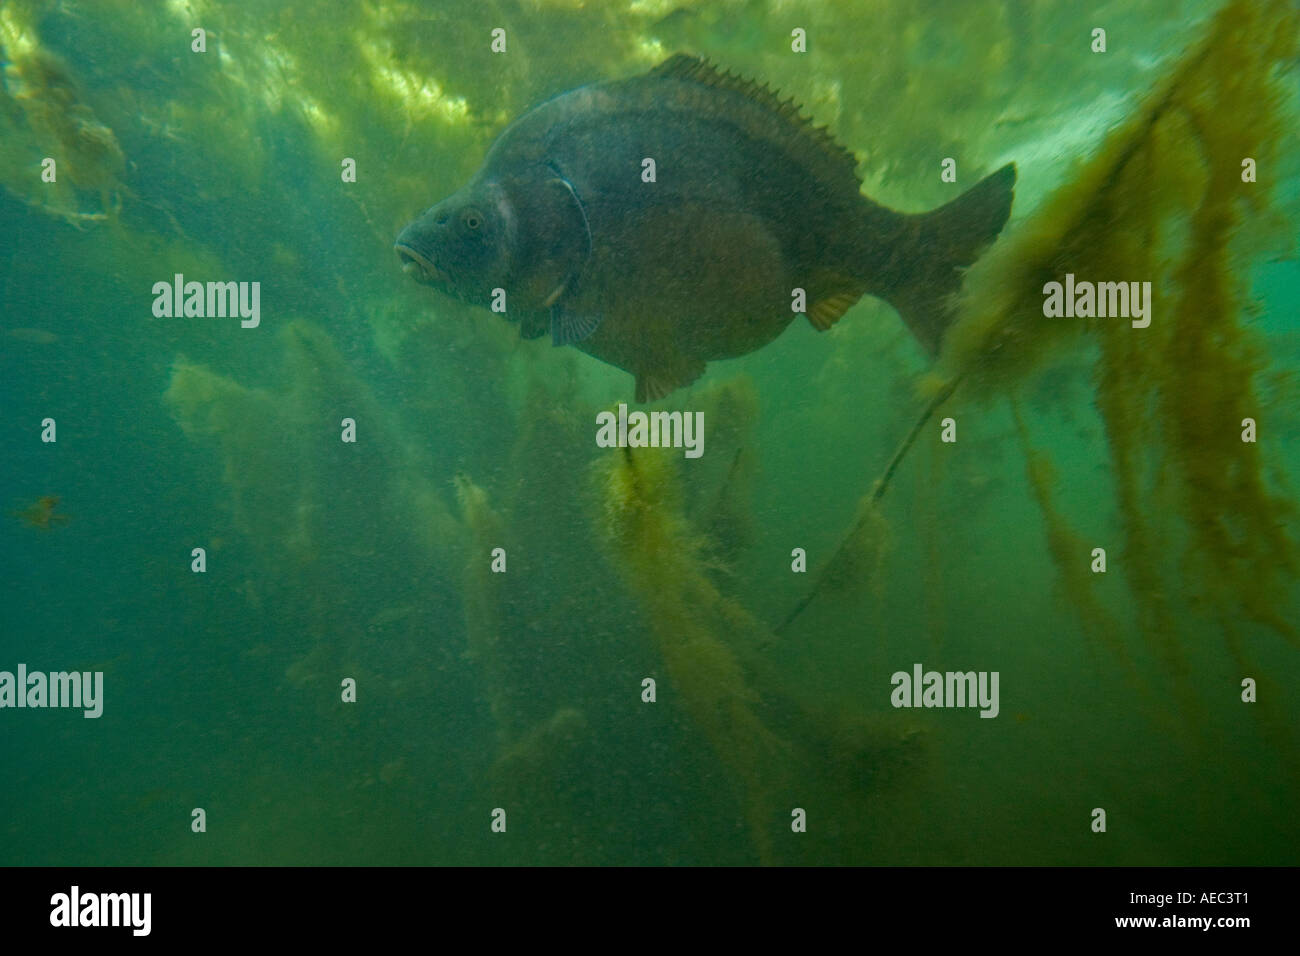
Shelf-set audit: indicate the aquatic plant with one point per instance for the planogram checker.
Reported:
(642, 523)
(774, 740)
(314, 512)
(43, 115)
(1164, 197)
(42, 514)
(484, 593)
(718, 487)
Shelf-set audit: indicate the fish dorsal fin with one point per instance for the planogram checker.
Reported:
(696, 69)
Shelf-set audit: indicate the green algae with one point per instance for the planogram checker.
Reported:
(1164, 197)
(642, 523)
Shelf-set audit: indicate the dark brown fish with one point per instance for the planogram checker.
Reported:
(748, 203)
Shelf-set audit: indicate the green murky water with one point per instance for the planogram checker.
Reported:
(524, 692)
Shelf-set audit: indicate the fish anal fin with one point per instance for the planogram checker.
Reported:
(828, 309)
(661, 381)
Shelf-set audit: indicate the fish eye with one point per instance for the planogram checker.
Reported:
(472, 219)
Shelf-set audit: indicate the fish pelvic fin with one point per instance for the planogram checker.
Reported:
(927, 262)
(827, 310)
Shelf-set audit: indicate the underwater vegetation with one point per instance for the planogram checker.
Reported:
(1165, 196)
(501, 588)
(41, 513)
(712, 650)
(45, 110)
(661, 559)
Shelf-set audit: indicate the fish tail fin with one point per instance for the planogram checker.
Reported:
(936, 248)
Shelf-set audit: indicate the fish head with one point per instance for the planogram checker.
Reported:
(461, 245)
(526, 233)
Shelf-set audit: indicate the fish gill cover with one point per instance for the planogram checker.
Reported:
(640, 657)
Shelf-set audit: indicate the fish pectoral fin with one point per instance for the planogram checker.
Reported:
(568, 327)
(828, 309)
(656, 383)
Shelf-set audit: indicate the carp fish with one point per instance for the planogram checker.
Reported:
(668, 220)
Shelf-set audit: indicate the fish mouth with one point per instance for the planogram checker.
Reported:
(419, 267)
